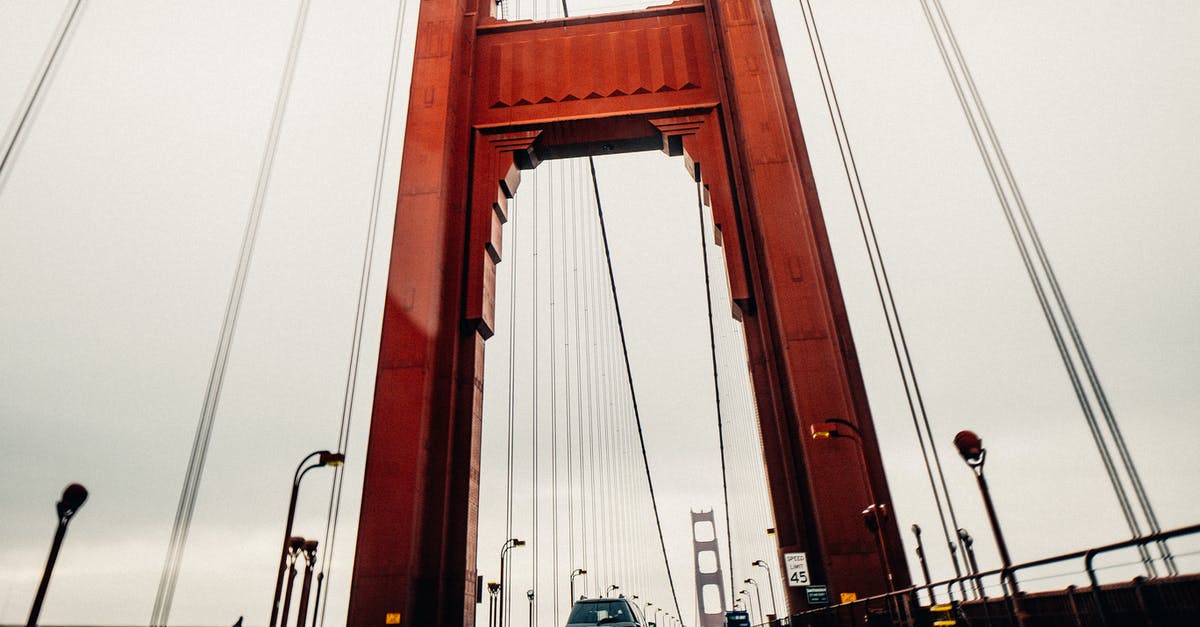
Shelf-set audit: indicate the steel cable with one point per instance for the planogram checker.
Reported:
(199, 453)
(33, 98)
(335, 497)
(883, 289)
(629, 378)
(1059, 297)
(712, 344)
(1039, 291)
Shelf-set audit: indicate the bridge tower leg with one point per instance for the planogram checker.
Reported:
(704, 79)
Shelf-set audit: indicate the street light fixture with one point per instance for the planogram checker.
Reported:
(968, 543)
(324, 458)
(529, 593)
(574, 573)
(771, 586)
(970, 447)
(294, 546)
(916, 529)
(493, 593)
(72, 499)
(758, 595)
(508, 544)
(875, 514)
(309, 552)
(749, 601)
(609, 589)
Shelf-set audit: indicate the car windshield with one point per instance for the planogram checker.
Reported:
(597, 612)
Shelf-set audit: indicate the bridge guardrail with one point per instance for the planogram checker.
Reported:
(903, 607)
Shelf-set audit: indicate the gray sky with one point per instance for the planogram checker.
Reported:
(121, 219)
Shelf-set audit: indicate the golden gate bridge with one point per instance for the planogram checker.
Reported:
(540, 459)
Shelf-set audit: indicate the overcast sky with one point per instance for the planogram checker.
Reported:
(121, 217)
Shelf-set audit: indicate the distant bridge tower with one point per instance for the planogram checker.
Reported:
(701, 79)
(710, 578)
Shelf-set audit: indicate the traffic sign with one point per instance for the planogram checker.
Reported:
(796, 565)
(817, 595)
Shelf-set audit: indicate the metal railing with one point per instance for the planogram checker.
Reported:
(903, 607)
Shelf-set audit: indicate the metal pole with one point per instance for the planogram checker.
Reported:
(287, 595)
(758, 594)
(529, 593)
(508, 544)
(916, 529)
(309, 553)
(770, 586)
(972, 565)
(995, 522)
(317, 598)
(72, 499)
(41, 592)
(503, 586)
(287, 532)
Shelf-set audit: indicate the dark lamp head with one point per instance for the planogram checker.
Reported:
(970, 446)
(331, 459)
(72, 499)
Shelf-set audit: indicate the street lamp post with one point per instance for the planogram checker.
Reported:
(295, 544)
(72, 499)
(529, 593)
(309, 553)
(749, 601)
(493, 592)
(968, 544)
(770, 586)
(574, 573)
(324, 458)
(745, 603)
(758, 596)
(609, 589)
(916, 529)
(508, 544)
(970, 446)
(875, 513)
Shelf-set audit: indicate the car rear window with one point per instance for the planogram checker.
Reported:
(595, 612)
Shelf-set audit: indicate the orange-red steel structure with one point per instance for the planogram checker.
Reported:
(700, 79)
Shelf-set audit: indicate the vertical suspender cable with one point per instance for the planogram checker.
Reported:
(586, 478)
(537, 401)
(629, 378)
(512, 394)
(35, 91)
(568, 210)
(199, 453)
(712, 344)
(364, 281)
(554, 600)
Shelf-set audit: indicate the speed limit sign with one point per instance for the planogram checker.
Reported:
(796, 565)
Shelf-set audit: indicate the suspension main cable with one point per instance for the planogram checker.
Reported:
(1059, 297)
(1039, 291)
(629, 378)
(199, 453)
(35, 91)
(887, 302)
(364, 281)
